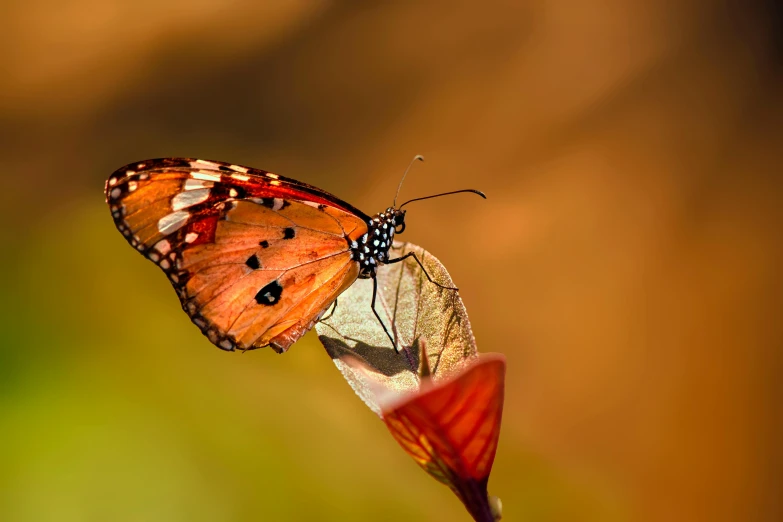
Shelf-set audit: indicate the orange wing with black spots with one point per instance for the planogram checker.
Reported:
(255, 258)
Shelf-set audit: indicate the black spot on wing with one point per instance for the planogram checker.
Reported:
(229, 191)
(274, 203)
(264, 244)
(270, 294)
(253, 262)
(289, 233)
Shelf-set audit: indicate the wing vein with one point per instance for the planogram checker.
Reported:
(278, 226)
(284, 272)
(293, 305)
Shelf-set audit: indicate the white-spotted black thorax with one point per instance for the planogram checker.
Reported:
(372, 249)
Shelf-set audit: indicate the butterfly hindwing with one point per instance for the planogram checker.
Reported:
(255, 257)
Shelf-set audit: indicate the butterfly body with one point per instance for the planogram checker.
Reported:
(372, 249)
(254, 257)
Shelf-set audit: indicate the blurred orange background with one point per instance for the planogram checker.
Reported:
(627, 261)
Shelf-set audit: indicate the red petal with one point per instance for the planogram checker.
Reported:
(452, 430)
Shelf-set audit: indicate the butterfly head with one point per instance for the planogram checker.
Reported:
(394, 218)
(397, 219)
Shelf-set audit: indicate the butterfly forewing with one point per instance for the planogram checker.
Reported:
(255, 257)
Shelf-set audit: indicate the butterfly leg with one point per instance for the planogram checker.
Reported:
(331, 312)
(413, 255)
(372, 305)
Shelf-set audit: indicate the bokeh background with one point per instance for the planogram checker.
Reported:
(627, 261)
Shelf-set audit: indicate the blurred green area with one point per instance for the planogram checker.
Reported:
(627, 261)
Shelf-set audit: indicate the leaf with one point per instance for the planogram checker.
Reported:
(451, 429)
(415, 311)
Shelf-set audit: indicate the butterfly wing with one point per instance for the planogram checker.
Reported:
(255, 258)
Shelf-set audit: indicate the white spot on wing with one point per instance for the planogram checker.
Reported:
(190, 237)
(189, 198)
(233, 193)
(200, 162)
(240, 177)
(311, 203)
(173, 222)
(270, 175)
(277, 204)
(206, 176)
(112, 182)
(164, 264)
(132, 185)
(115, 193)
(162, 246)
(237, 168)
(274, 183)
(193, 184)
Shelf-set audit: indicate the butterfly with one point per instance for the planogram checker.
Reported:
(255, 258)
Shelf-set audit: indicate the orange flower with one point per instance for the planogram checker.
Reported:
(451, 430)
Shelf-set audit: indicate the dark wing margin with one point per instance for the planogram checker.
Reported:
(277, 186)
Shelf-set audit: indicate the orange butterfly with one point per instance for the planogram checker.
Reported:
(256, 258)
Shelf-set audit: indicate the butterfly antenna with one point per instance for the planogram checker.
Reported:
(474, 191)
(416, 157)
